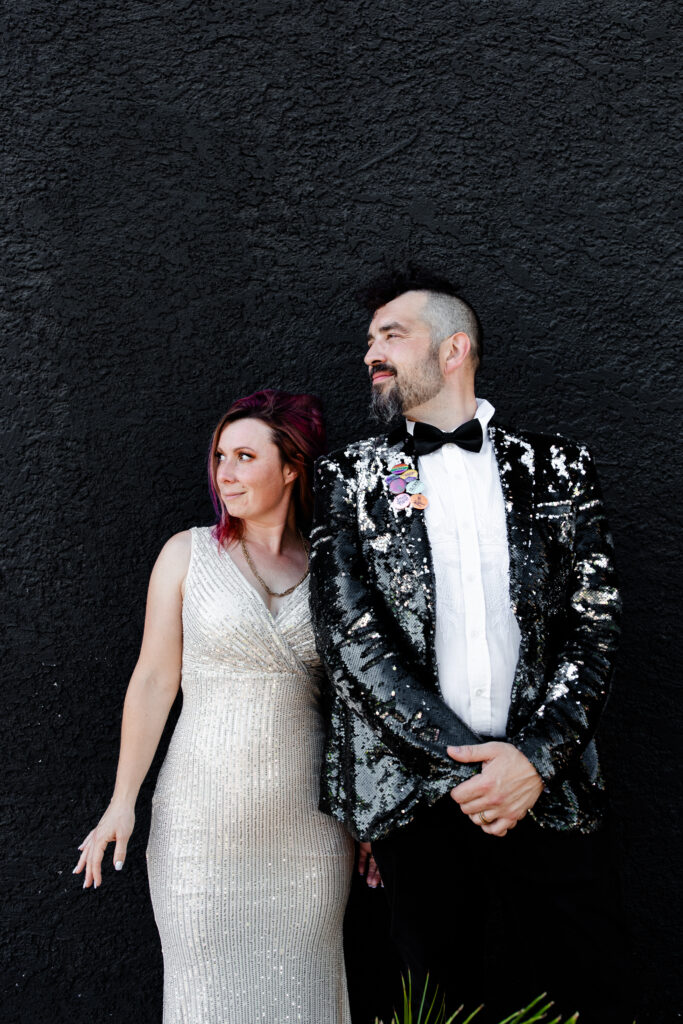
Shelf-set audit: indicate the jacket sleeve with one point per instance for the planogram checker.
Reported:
(353, 638)
(564, 723)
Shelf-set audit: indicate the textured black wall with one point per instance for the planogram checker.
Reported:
(192, 191)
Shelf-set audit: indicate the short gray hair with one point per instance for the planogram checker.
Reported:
(447, 315)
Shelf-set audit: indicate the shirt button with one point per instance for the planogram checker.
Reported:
(479, 692)
(449, 445)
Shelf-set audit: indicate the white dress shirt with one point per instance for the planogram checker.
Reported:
(477, 635)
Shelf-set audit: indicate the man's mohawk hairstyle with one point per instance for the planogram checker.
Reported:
(397, 280)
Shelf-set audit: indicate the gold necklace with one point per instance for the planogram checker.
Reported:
(273, 593)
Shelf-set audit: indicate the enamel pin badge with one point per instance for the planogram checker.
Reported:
(404, 484)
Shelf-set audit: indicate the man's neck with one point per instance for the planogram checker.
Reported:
(444, 411)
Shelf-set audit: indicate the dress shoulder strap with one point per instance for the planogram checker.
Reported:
(203, 552)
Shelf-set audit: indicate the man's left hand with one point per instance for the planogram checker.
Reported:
(367, 866)
(507, 787)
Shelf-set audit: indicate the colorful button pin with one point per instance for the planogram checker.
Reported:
(418, 501)
(397, 486)
(415, 487)
(410, 474)
(399, 467)
(401, 501)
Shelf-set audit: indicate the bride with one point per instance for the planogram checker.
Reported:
(249, 880)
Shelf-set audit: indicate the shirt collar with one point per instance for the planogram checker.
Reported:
(484, 414)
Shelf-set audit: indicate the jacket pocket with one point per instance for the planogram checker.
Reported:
(555, 523)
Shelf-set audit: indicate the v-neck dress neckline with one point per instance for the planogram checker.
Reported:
(285, 607)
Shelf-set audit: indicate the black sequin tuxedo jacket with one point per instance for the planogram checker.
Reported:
(373, 604)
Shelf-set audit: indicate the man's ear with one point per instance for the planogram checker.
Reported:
(456, 350)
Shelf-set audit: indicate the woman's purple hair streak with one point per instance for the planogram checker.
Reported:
(298, 430)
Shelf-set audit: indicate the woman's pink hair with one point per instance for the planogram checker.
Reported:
(298, 430)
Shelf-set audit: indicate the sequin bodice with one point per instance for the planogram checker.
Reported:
(226, 625)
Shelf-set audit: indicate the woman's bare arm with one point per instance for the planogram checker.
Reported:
(150, 695)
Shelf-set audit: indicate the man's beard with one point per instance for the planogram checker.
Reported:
(386, 404)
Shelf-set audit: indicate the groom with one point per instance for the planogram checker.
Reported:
(466, 609)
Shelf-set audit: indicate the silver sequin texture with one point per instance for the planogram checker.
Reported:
(249, 879)
(373, 593)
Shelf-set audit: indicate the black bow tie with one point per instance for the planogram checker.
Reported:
(428, 439)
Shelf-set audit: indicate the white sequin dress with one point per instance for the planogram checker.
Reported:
(249, 880)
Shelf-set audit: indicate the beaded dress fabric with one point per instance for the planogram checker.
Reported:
(249, 880)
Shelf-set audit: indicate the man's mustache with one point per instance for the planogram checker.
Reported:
(381, 368)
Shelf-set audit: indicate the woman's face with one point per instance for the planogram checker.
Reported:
(252, 481)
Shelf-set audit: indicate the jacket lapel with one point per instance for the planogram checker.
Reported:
(517, 471)
(410, 551)
(409, 557)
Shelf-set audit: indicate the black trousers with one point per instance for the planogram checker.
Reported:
(498, 920)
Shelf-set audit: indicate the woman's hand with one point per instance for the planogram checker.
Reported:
(367, 863)
(115, 825)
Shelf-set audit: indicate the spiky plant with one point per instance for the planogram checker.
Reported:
(433, 1011)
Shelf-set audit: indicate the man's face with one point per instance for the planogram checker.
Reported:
(401, 357)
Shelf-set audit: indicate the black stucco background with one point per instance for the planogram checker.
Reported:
(191, 194)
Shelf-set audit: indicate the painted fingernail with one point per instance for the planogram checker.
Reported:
(84, 885)
(94, 885)
(118, 865)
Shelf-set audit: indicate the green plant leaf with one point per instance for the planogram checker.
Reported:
(468, 1019)
(534, 1013)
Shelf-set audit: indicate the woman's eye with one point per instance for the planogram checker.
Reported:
(219, 456)
(244, 455)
